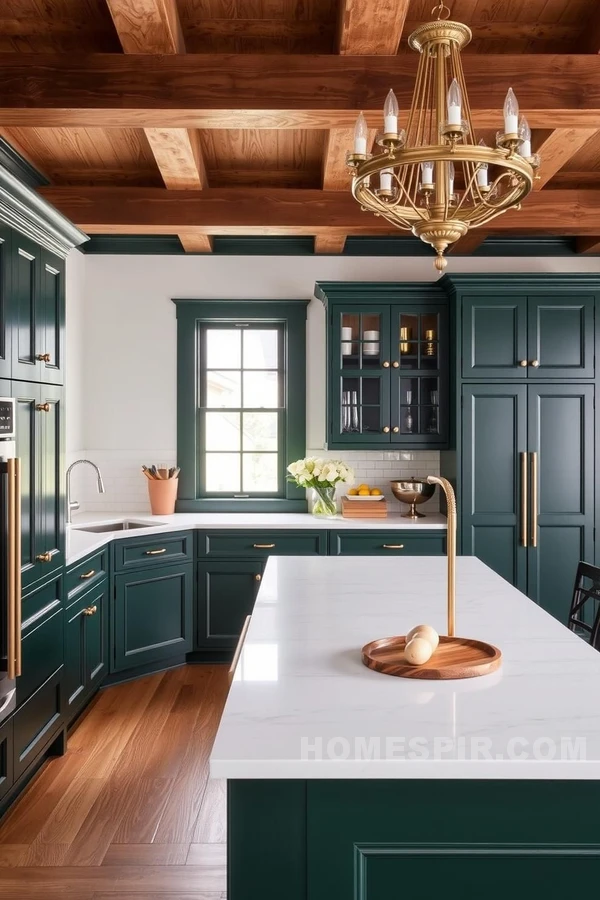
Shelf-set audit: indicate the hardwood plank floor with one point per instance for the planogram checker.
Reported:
(128, 813)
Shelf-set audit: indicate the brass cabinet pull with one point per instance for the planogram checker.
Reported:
(396, 365)
(43, 407)
(87, 574)
(386, 429)
(385, 364)
(258, 577)
(534, 498)
(90, 610)
(44, 557)
(263, 546)
(535, 363)
(18, 585)
(393, 546)
(238, 649)
(155, 552)
(524, 492)
(523, 363)
(43, 357)
(395, 429)
(13, 566)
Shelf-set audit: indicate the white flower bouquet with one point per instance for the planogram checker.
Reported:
(321, 475)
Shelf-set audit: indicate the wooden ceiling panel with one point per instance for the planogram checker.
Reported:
(587, 158)
(62, 26)
(262, 157)
(258, 26)
(90, 155)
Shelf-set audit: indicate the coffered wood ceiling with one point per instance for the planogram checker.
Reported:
(233, 117)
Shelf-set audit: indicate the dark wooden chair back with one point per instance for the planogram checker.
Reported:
(584, 615)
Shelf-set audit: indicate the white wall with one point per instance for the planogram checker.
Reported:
(128, 348)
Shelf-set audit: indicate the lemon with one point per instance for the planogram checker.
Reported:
(375, 492)
(352, 492)
(364, 492)
(362, 487)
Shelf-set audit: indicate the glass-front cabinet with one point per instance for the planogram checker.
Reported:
(387, 367)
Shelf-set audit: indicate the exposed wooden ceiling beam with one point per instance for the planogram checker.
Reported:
(147, 26)
(153, 26)
(288, 211)
(371, 27)
(588, 244)
(557, 150)
(330, 243)
(269, 91)
(469, 243)
(195, 242)
(591, 43)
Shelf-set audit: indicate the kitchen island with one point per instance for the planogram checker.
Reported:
(345, 783)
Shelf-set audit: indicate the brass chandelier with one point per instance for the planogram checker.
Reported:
(433, 178)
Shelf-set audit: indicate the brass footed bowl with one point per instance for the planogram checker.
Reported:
(413, 491)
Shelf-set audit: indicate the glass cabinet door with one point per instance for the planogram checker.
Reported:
(359, 353)
(419, 379)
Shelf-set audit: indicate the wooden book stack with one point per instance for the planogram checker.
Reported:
(365, 509)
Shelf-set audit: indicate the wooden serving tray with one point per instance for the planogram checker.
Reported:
(455, 657)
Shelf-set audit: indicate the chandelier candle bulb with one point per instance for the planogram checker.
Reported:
(525, 135)
(427, 173)
(482, 171)
(454, 104)
(511, 113)
(451, 174)
(390, 114)
(360, 135)
(385, 179)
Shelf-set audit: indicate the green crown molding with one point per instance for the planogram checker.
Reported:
(530, 281)
(23, 209)
(379, 291)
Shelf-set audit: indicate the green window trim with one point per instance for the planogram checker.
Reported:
(191, 315)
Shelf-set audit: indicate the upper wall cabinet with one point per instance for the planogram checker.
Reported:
(527, 327)
(387, 365)
(5, 322)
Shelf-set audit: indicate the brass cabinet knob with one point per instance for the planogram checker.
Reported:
(44, 557)
(90, 610)
(386, 429)
(395, 429)
(535, 363)
(396, 364)
(258, 577)
(43, 407)
(385, 364)
(43, 357)
(523, 363)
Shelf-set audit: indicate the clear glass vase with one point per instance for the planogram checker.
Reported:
(323, 501)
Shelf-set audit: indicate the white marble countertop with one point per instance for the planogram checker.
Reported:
(302, 697)
(82, 543)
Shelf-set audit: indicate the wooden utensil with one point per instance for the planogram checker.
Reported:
(455, 657)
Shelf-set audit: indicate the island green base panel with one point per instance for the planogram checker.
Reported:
(373, 840)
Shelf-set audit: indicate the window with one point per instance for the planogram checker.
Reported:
(241, 404)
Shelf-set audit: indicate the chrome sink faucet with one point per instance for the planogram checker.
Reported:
(73, 505)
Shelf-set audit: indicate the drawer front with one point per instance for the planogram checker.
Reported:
(144, 552)
(86, 573)
(6, 758)
(386, 543)
(37, 722)
(42, 600)
(42, 647)
(260, 544)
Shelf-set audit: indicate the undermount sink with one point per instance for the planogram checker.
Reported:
(115, 526)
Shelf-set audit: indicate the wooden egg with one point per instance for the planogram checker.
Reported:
(418, 651)
(424, 631)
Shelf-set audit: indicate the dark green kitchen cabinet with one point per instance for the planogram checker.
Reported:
(527, 485)
(5, 311)
(387, 365)
(37, 312)
(152, 615)
(86, 646)
(6, 758)
(42, 637)
(38, 723)
(226, 594)
(526, 327)
(40, 424)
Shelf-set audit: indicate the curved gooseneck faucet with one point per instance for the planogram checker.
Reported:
(73, 505)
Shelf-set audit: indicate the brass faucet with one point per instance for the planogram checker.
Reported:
(451, 549)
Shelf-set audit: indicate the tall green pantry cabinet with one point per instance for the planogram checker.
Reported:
(34, 242)
(525, 427)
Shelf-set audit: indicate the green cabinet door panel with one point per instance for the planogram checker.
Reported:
(494, 336)
(42, 644)
(86, 646)
(51, 423)
(494, 439)
(96, 637)
(6, 757)
(226, 594)
(27, 398)
(26, 274)
(74, 675)
(37, 723)
(153, 614)
(561, 430)
(5, 305)
(561, 336)
(50, 324)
